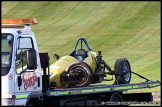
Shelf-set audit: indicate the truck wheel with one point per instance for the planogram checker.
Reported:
(123, 69)
(35, 102)
(86, 74)
(115, 99)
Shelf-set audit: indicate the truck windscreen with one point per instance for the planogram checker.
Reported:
(6, 53)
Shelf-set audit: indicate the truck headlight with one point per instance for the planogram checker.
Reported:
(8, 101)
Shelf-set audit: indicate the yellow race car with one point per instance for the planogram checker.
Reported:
(84, 67)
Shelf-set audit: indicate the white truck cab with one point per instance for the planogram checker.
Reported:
(20, 63)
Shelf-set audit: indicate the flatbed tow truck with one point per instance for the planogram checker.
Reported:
(24, 83)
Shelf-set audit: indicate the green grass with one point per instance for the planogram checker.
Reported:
(118, 29)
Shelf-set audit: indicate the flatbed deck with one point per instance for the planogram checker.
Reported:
(101, 88)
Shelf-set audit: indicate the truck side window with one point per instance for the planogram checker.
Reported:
(23, 45)
(6, 50)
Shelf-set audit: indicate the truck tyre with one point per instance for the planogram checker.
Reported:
(123, 70)
(34, 102)
(116, 97)
(86, 73)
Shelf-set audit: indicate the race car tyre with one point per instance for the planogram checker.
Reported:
(123, 69)
(86, 74)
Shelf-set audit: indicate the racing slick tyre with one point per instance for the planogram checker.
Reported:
(85, 77)
(123, 70)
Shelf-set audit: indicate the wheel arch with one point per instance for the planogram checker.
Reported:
(35, 96)
(116, 94)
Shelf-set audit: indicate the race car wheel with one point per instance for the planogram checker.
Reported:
(85, 77)
(123, 69)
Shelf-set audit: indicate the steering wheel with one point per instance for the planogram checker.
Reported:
(82, 53)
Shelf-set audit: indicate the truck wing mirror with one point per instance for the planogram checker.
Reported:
(56, 56)
(31, 59)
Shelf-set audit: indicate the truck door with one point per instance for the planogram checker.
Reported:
(28, 74)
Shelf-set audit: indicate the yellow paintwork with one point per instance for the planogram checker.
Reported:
(91, 60)
(59, 67)
(63, 63)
